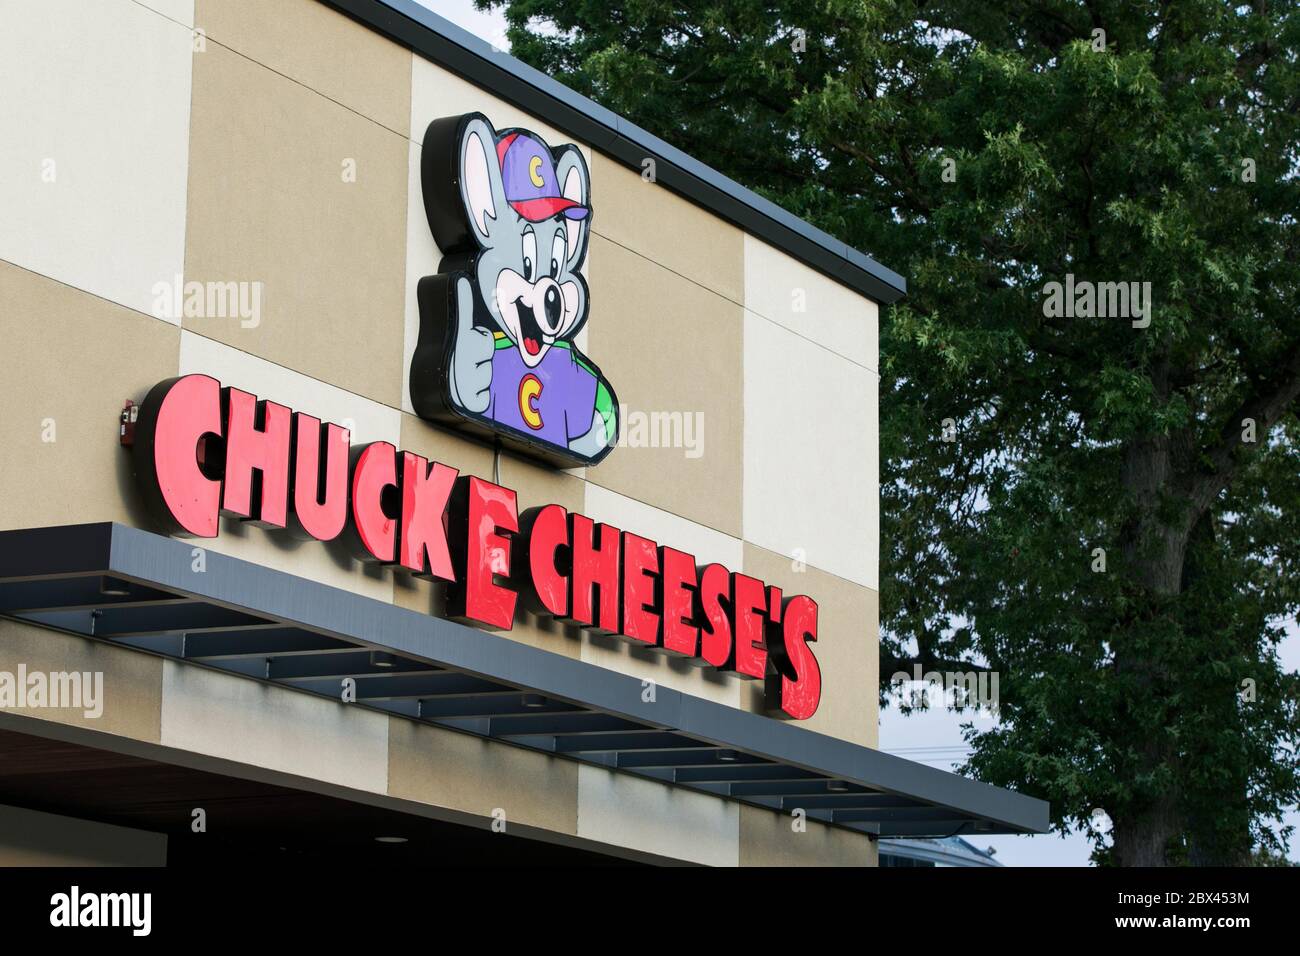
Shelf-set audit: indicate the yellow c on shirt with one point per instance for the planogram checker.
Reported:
(530, 390)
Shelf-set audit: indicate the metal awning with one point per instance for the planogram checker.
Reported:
(126, 586)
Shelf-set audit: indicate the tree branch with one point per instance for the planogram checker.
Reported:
(1265, 406)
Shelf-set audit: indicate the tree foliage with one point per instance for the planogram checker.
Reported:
(985, 148)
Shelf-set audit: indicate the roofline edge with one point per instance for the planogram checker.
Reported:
(442, 42)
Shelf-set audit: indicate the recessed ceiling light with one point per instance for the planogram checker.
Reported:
(114, 587)
(390, 839)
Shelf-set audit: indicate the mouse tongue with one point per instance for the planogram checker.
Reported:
(530, 333)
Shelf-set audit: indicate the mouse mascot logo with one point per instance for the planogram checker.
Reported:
(496, 354)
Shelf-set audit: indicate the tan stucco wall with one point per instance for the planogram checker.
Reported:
(227, 163)
(768, 838)
(31, 838)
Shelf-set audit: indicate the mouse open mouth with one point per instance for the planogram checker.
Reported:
(530, 333)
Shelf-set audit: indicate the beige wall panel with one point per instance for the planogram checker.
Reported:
(328, 563)
(132, 680)
(668, 345)
(708, 546)
(847, 647)
(783, 289)
(238, 719)
(436, 93)
(446, 769)
(767, 839)
(31, 838)
(422, 258)
(83, 474)
(94, 135)
(628, 811)
(320, 48)
(538, 484)
(182, 11)
(368, 420)
(873, 520)
(269, 204)
(811, 452)
(436, 443)
(672, 231)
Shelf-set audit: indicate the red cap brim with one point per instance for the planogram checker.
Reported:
(547, 207)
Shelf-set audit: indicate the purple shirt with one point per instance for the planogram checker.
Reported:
(554, 402)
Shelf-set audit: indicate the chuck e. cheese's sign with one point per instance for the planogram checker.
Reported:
(202, 450)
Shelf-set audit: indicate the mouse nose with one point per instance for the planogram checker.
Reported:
(552, 305)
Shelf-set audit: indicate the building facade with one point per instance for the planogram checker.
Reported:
(234, 190)
(946, 852)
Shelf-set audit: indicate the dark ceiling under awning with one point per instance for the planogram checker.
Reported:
(127, 586)
(261, 823)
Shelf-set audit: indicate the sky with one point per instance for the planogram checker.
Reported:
(932, 737)
(488, 26)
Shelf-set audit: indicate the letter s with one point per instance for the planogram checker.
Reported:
(796, 688)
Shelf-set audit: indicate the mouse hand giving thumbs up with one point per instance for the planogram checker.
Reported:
(471, 360)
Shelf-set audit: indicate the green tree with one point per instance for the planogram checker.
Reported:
(985, 149)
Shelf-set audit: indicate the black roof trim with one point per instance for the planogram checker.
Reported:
(442, 42)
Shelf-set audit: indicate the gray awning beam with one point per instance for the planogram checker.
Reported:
(266, 625)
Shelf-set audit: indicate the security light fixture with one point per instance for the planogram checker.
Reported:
(111, 587)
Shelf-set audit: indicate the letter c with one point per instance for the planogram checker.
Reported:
(175, 415)
(530, 392)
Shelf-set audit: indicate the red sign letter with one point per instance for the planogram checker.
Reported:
(594, 566)
(320, 478)
(715, 633)
(676, 602)
(640, 570)
(750, 603)
(425, 493)
(544, 531)
(374, 507)
(176, 414)
(480, 511)
(796, 688)
(257, 440)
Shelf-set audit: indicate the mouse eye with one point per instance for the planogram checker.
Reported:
(530, 254)
(557, 254)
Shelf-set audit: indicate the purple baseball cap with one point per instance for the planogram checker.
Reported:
(528, 173)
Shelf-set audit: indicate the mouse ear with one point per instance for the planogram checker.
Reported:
(575, 184)
(464, 197)
(481, 189)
